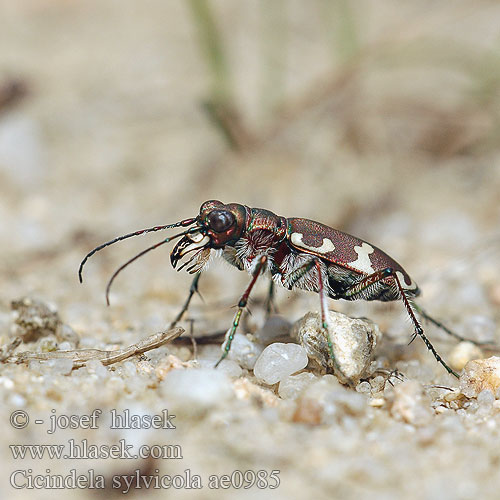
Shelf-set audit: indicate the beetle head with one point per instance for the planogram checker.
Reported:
(218, 225)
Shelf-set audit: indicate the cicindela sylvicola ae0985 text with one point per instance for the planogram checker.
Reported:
(295, 253)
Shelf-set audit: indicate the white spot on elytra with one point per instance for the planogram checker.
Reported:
(401, 278)
(326, 246)
(363, 262)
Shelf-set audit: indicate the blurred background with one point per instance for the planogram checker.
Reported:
(381, 119)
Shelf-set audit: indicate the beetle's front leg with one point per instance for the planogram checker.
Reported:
(192, 290)
(241, 306)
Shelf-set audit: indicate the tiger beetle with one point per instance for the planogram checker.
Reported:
(295, 252)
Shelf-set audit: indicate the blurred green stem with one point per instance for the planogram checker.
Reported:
(212, 49)
(273, 50)
(338, 18)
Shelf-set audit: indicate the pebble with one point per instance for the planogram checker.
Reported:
(291, 387)
(244, 351)
(480, 374)
(129, 368)
(278, 361)
(410, 403)
(60, 366)
(193, 392)
(227, 366)
(462, 353)
(354, 341)
(64, 346)
(47, 344)
(65, 333)
(275, 327)
(95, 366)
(33, 318)
(326, 400)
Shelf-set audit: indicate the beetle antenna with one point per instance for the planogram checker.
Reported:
(186, 222)
(140, 254)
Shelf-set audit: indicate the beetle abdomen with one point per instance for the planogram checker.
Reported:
(354, 255)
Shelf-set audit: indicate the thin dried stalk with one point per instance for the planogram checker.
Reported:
(81, 356)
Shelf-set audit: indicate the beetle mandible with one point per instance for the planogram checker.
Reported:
(295, 252)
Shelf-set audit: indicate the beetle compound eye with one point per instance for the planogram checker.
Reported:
(220, 220)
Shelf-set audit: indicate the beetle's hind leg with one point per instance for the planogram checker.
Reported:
(360, 288)
(325, 314)
(445, 329)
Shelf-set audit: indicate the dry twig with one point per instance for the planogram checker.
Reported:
(81, 356)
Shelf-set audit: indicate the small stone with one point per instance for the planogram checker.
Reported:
(64, 346)
(291, 387)
(485, 397)
(60, 366)
(480, 374)
(227, 366)
(462, 353)
(308, 411)
(244, 351)
(410, 404)
(129, 368)
(7, 383)
(278, 361)
(47, 344)
(354, 341)
(327, 400)
(65, 333)
(95, 366)
(244, 389)
(88, 343)
(17, 400)
(33, 318)
(275, 327)
(364, 387)
(167, 364)
(453, 396)
(193, 392)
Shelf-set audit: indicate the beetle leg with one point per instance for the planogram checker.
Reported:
(373, 278)
(359, 287)
(241, 306)
(192, 290)
(270, 303)
(325, 317)
(445, 329)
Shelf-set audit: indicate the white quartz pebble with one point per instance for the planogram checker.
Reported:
(244, 351)
(278, 361)
(291, 387)
(194, 391)
(227, 366)
(462, 353)
(60, 366)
